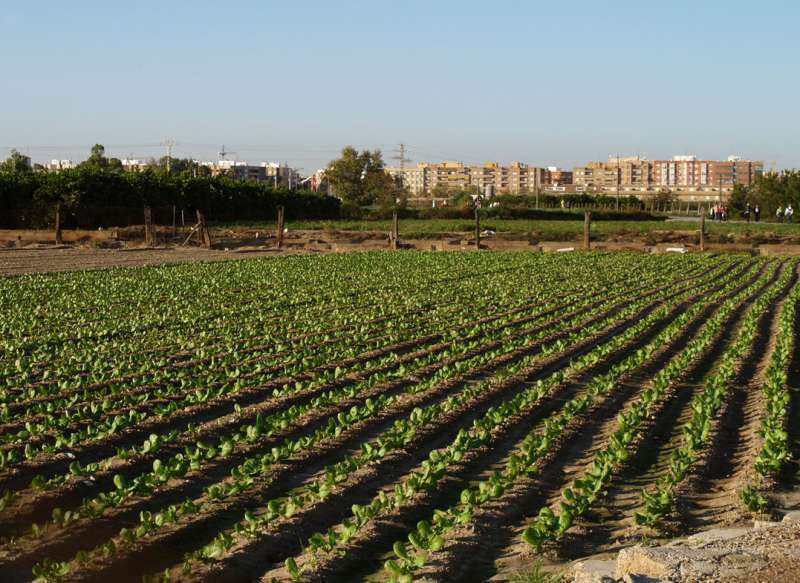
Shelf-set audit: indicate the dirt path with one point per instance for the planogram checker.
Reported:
(54, 259)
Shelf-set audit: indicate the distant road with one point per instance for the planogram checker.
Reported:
(696, 219)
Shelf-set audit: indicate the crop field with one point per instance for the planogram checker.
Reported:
(388, 416)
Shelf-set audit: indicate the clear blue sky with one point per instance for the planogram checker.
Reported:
(541, 82)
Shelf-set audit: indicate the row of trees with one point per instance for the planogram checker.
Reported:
(99, 194)
(18, 162)
(769, 192)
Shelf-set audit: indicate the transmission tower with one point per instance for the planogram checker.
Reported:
(223, 153)
(401, 156)
(169, 143)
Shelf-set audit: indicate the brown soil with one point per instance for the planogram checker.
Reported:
(468, 555)
(284, 542)
(62, 545)
(88, 250)
(375, 538)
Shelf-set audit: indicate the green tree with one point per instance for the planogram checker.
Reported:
(56, 188)
(16, 162)
(182, 166)
(97, 160)
(358, 177)
(739, 199)
(440, 191)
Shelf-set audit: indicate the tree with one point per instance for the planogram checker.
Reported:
(391, 195)
(185, 166)
(440, 191)
(97, 159)
(739, 199)
(358, 177)
(773, 190)
(16, 162)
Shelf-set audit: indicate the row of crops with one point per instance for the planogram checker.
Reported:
(378, 416)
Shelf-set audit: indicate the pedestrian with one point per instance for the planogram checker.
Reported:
(747, 212)
(789, 213)
(779, 214)
(757, 213)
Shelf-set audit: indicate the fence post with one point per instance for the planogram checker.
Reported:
(59, 238)
(587, 223)
(477, 229)
(394, 236)
(174, 221)
(703, 232)
(149, 239)
(205, 237)
(279, 233)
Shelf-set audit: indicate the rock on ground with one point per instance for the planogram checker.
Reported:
(769, 552)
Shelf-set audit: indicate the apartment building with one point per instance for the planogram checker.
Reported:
(489, 178)
(131, 165)
(689, 173)
(555, 176)
(632, 173)
(682, 174)
(56, 165)
(278, 174)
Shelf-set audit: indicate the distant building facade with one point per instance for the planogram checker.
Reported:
(489, 179)
(279, 175)
(56, 165)
(131, 165)
(683, 175)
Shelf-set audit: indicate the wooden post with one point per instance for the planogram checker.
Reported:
(477, 229)
(149, 238)
(587, 223)
(205, 237)
(174, 221)
(703, 232)
(394, 236)
(59, 238)
(279, 233)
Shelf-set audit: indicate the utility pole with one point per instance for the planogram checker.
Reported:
(703, 232)
(477, 224)
(169, 143)
(618, 180)
(587, 225)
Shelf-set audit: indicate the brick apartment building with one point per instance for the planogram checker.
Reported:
(685, 176)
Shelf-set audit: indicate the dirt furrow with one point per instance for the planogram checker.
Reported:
(503, 521)
(382, 532)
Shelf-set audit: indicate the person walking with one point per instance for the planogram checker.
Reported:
(779, 214)
(757, 213)
(747, 213)
(789, 212)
